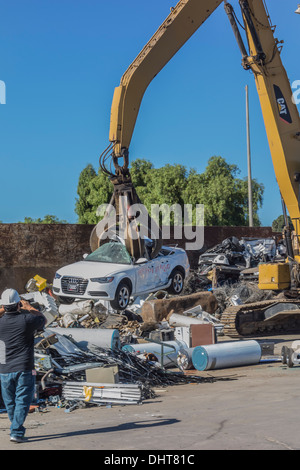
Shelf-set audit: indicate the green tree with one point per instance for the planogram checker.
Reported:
(139, 172)
(93, 190)
(48, 219)
(223, 194)
(279, 224)
(165, 185)
(218, 188)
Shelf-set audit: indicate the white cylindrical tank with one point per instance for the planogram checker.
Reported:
(185, 359)
(85, 337)
(169, 358)
(227, 354)
(184, 320)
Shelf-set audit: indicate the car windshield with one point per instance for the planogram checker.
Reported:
(110, 252)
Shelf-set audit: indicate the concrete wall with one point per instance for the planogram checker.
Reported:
(30, 249)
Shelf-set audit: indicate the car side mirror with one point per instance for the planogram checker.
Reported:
(141, 261)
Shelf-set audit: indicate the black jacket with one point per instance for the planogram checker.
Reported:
(17, 331)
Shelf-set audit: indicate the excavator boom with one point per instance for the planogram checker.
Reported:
(261, 56)
(184, 19)
(280, 113)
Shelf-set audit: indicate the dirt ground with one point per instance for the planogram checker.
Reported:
(255, 409)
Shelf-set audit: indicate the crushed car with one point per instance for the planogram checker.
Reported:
(110, 274)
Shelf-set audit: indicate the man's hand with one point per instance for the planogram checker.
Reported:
(26, 306)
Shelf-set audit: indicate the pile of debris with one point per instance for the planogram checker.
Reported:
(239, 293)
(72, 374)
(238, 259)
(88, 354)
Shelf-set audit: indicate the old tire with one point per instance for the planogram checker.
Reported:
(284, 354)
(289, 359)
(177, 281)
(122, 296)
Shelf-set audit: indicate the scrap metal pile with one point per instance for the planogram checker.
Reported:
(89, 354)
(237, 259)
(231, 271)
(125, 378)
(85, 354)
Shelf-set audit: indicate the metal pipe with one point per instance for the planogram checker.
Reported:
(261, 56)
(250, 198)
(227, 354)
(185, 359)
(44, 378)
(184, 320)
(230, 13)
(84, 337)
(166, 357)
(161, 343)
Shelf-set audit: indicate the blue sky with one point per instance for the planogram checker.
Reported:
(61, 60)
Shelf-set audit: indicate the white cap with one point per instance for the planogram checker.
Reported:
(10, 297)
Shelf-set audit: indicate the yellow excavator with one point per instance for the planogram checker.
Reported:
(261, 55)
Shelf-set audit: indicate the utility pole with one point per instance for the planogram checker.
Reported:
(250, 202)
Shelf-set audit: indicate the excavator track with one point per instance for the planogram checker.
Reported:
(249, 320)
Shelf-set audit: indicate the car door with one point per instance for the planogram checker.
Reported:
(152, 274)
(144, 275)
(162, 269)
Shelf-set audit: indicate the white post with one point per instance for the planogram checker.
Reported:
(250, 204)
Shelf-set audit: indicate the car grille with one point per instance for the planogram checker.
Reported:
(73, 285)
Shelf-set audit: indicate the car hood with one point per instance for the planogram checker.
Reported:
(88, 269)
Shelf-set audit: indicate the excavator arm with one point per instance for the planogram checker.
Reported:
(282, 123)
(280, 113)
(184, 19)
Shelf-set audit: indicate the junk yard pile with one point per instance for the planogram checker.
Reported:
(89, 354)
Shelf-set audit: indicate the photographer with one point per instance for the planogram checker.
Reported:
(18, 323)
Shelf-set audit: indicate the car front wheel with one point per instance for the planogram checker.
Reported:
(177, 281)
(122, 296)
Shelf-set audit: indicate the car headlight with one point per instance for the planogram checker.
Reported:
(57, 276)
(102, 280)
